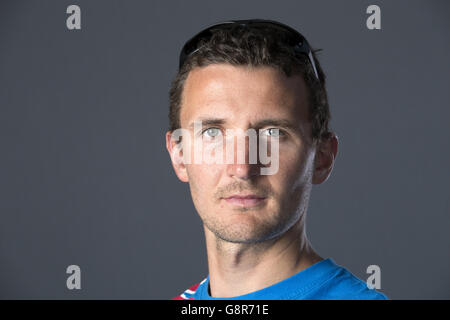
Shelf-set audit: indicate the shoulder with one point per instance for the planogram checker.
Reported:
(346, 286)
(188, 294)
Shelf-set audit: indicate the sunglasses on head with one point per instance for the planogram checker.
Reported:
(296, 40)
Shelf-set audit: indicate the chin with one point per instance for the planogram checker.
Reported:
(242, 228)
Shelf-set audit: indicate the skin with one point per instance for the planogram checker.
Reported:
(251, 247)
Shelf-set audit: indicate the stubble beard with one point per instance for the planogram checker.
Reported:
(252, 230)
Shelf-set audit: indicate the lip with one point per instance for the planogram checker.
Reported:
(249, 200)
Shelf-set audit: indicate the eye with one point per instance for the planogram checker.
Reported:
(272, 132)
(211, 132)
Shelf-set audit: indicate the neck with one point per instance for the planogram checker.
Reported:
(236, 269)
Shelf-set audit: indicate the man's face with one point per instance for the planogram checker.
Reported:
(234, 201)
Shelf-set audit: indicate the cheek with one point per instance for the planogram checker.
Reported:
(295, 167)
(203, 179)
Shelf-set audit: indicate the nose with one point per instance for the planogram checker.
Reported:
(243, 166)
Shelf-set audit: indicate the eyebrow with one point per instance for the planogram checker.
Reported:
(208, 122)
(282, 123)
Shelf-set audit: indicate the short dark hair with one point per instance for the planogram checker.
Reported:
(248, 46)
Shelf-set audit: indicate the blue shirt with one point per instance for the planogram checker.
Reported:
(324, 280)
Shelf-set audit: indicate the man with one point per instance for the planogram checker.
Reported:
(256, 75)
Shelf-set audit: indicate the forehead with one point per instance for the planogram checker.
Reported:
(243, 93)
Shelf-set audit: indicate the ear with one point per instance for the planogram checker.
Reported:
(174, 148)
(326, 152)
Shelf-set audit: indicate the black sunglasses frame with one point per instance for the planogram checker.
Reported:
(297, 40)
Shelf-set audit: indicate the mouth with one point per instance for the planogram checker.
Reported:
(249, 200)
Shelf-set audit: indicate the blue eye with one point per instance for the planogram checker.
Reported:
(273, 132)
(211, 132)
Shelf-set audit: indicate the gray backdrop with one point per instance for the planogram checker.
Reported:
(85, 178)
